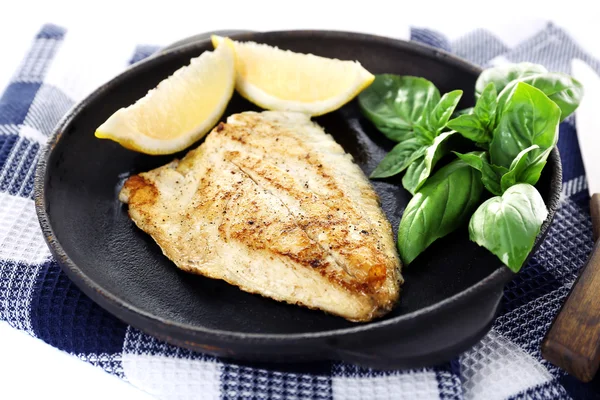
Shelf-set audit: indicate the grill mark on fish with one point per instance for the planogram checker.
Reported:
(312, 262)
(346, 246)
(337, 195)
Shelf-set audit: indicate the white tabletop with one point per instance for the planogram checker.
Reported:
(60, 375)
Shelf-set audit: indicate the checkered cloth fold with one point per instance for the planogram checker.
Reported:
(37, 297)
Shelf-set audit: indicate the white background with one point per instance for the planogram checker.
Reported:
(32, 369)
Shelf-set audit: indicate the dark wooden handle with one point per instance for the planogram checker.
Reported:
(573, 341)
(595, 211)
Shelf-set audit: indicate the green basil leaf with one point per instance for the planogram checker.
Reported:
(443, 110)
(478, 125)
(565, 91)
(485, 108)
(491, 175)
(431, 124)
(517, 168)
(395, 103)
(504, 74)
(533, 171)
(464, 111)
(399, 158)
(508, 225)
(443, 203)
(528, 117)
(411, 178)
(470, 127)
(423, 134)
(420, 169)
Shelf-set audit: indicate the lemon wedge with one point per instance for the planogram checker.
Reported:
(180, 110)
(282, 80)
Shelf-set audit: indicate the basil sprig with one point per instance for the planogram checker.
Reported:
(512, 129)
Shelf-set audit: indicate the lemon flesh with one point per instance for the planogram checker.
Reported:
(180, 110)
(283, 80)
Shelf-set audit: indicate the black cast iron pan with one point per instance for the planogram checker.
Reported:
(451, 293)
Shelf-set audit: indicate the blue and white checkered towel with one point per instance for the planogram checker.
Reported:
(37, 297)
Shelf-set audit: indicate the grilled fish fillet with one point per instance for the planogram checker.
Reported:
(272, 204)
